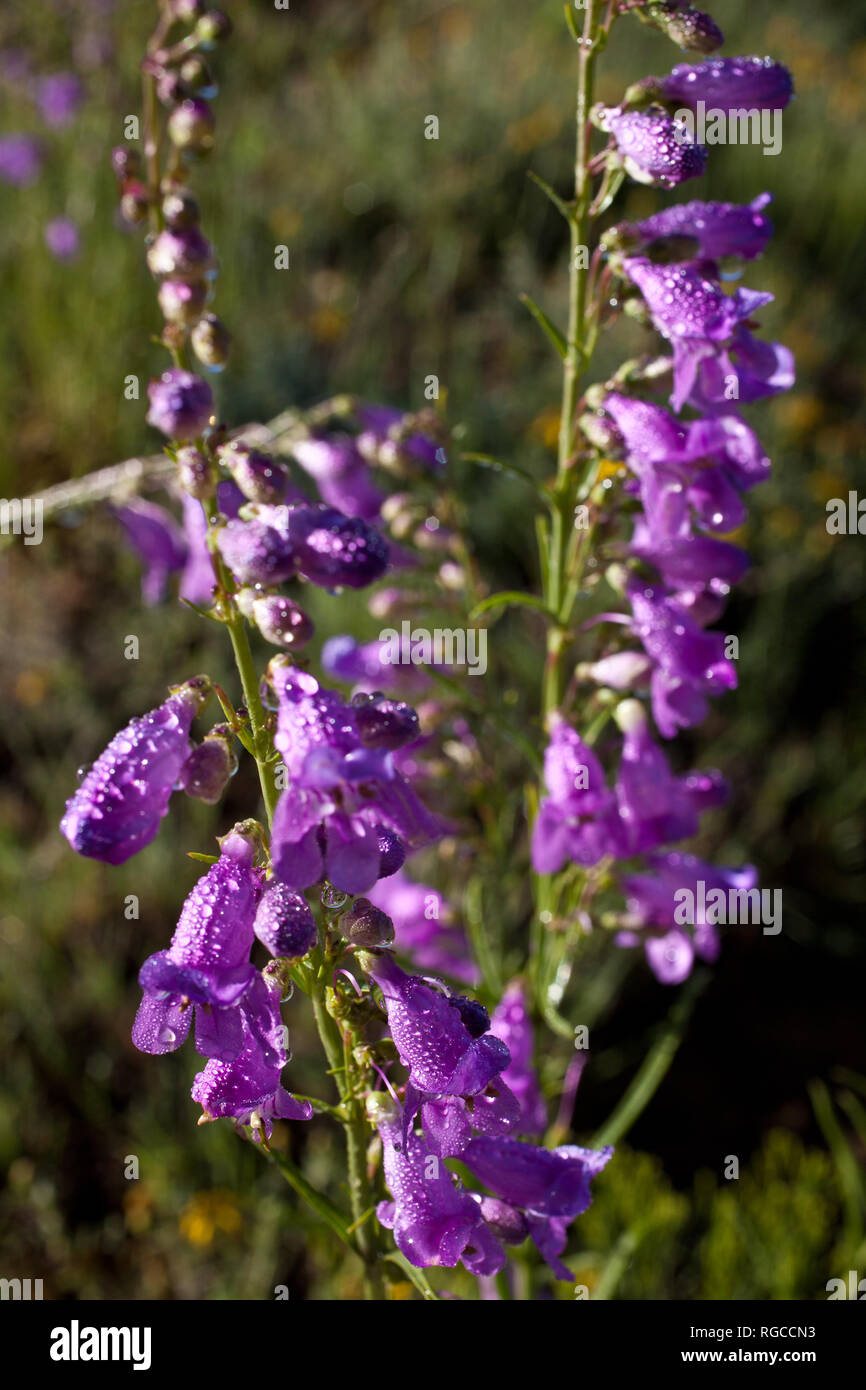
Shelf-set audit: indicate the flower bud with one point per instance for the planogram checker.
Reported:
(284, 922)
(134, 202)
(194, 473)
(191, 126)
(281, 621)
(601, 432)
(180, 404)
(126, 162)
(211, 342)
(212, 27)
(209, 767)
(365, 925)
(690, 28)
(452, 576)
(198, 77)
(383, 723)
(182, 301)
(180, 209)
(183, 253)
(257, 475)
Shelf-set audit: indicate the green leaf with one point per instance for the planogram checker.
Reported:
(416, 1276)
(559, 203)
(512, 469)
(203, 858)
(547, 326)
(320, 1204)
(513, 597)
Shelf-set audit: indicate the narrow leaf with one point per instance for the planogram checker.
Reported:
(546, 325)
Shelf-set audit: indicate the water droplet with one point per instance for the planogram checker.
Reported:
(166, 1035)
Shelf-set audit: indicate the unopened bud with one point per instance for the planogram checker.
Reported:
(693, 30)
(209, 767)
(198, 77)
(134, 202)
(126, 162)
(365, 925)
(257, 475)
(211, 342)
(182, 301)
(184, 253)
(602, 432)
(212, 27)
(191, 126)
(281, 621)
(194, 473)
(180, 209)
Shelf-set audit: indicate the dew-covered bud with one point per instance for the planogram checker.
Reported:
(284, 923)
(126, 162)
(198, 77)
(258, 550)
(134, 202)
(191, 126)
(209, 767)
(690, 28)
(194, 473)
(281, 622)
(383, 723)
(334, 550)
(365, 925)
(180, 209)
(211, 342)
(212, 27)
(182, 301)
(181, 404)
(185, 252)
(257, 475)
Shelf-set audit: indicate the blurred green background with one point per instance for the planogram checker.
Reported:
(407, 259)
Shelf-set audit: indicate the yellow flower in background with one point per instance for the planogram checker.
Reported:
(545, 427)
(824, 483)
(207, 1213)
(535, 129)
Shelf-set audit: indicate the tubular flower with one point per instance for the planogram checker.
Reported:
(654, 148)
(730, 84)
(207, 963)
(510, 1022)
(118, 807)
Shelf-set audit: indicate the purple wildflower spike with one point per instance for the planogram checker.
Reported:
(207, 963)
(118, 807)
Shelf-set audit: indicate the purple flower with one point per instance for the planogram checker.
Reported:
(156, 537)
(334, 550)
(62, 239)
(720, 229)
(653, 147)
(659, 445)
(181, 404)
(689, 307)
(511, 1023)
(387, 438)
(655, 915)
(258, 549)
(20, 159)
(247, 1087)
(59, 97)
(730, 84)
(573, 819)
(551, 1186)
(118, 807)
(207, 963)
(340, 474)
(445, 1055)
(690, 664)
(434, 1222)
(284, 922)
(424, 926)
(654, 806)
(341, 793)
